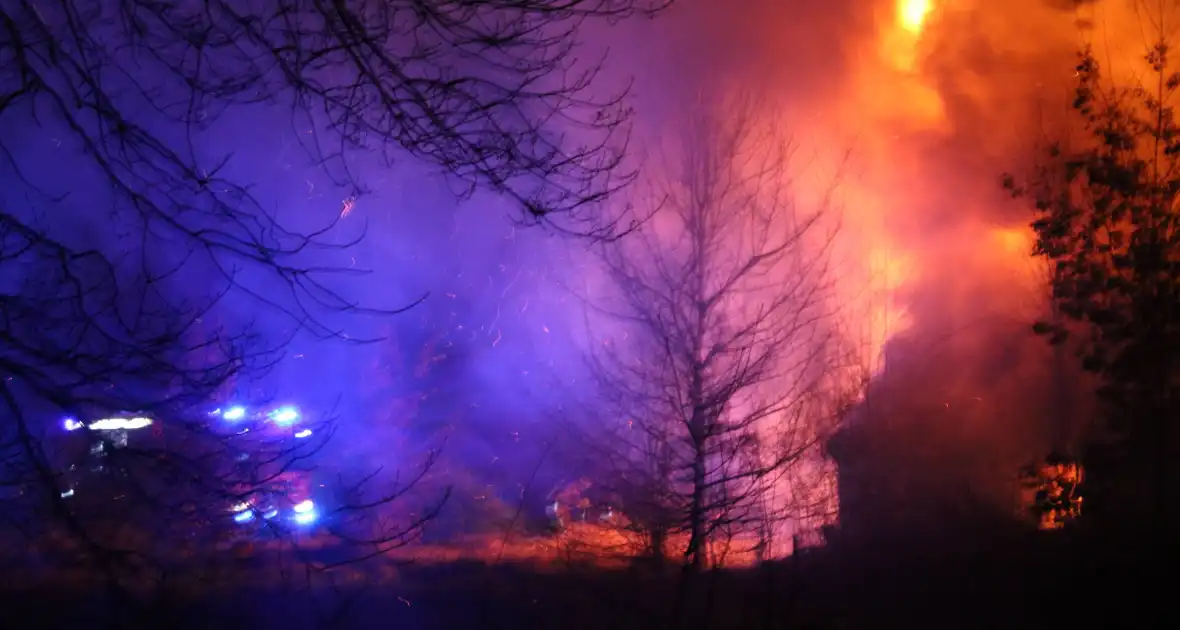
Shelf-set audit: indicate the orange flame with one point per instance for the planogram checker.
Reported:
(911, 14)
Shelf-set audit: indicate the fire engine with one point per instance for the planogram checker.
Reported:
(279, 499)
(285, 498)
(86, 461)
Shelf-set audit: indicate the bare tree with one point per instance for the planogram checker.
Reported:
(96, 315)
(493, 93)
(113, 463)
(719, 382)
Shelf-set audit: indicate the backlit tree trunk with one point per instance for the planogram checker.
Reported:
(719, 374)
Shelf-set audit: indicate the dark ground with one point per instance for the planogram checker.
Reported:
(1017, 581)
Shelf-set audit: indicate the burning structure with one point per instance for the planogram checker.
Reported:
(944, 435)
(963, 395)
(1052, 491)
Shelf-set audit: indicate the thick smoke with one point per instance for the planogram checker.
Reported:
(915, 126)
(931, 104)
(488, 359)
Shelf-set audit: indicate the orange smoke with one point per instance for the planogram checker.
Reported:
(917, 107)
(933, 98)
(935, 107)
(884, 98)
(909, 20)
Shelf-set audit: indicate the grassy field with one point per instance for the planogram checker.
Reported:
(1025, 582)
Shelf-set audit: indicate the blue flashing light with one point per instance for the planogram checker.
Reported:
(303, 434)
(244, 517)
(305, 512)
(234, 413)
(284, 416)
(71, 424)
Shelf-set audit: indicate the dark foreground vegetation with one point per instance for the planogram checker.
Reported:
(1017, 580)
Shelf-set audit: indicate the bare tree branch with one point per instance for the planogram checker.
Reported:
(720, 378)
(98, 312)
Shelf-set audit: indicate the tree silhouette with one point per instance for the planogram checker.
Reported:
(492, 93)
(98, 312)
(718, 387)
(1106, 221)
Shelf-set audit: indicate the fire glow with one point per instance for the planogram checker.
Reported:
(911, 14)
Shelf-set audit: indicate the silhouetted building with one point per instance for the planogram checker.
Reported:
(937, 443)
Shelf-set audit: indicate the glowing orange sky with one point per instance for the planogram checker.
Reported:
(946, 96)
(911, 14)
(884, 93)
(931, 101)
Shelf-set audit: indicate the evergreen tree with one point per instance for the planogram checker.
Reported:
(1106, 221)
